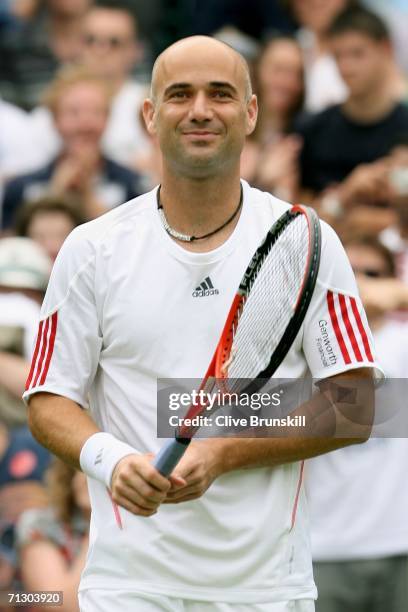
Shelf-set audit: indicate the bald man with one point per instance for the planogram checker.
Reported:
(142, 293)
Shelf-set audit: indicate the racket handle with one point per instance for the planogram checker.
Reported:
(170, 454)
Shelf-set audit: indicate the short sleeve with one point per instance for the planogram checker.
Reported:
(69, 341)
(337, 337)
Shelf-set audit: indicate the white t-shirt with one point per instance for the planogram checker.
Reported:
(121, 311)
(358, 498)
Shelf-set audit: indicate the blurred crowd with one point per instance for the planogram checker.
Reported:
(332, 82)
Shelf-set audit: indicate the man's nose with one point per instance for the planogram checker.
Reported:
(201, 109)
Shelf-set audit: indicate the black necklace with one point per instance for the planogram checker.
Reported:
(185, 237)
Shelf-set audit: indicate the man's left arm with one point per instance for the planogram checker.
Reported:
(337, 347)
(333, 420)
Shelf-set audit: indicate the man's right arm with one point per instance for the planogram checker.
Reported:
(64, 428)
(61, 425)
(61, 377)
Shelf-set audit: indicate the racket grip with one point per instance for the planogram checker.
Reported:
(170, 454)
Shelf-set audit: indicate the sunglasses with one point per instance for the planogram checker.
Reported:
(114, 42)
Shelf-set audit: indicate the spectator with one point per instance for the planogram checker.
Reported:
(395, 237)
(270, 158)
(79, 102)
(13, 13)
(17, 150)
(361, 558)
(372, 198)
(383, 293)
(324, 85)
(364, 128)
(258, 18)
(53, 541)
(395, 13)
(22, 461)
(48, 222)
(149, 162)
(22, 465)
(110, 49)
(24, 273)
(33, 54)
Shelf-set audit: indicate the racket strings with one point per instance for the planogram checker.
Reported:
(271, 302)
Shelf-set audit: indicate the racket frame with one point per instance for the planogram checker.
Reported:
(173, 449)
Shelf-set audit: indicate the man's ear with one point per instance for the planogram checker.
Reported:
(252, 114)
(149, 116)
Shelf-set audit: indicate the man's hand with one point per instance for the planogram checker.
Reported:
(198, 468)
(138, 487)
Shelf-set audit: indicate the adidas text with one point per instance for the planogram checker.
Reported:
(205, 288)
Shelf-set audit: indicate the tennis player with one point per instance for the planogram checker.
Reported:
(133, 297)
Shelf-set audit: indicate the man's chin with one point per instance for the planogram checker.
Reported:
(199, 166)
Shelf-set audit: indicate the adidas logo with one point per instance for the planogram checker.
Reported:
(99, 457)
(205, 288)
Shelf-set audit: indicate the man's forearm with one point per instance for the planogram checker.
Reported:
(60, 425)
(241, 453)
(331, 423)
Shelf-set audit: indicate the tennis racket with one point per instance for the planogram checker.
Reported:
(264, 319)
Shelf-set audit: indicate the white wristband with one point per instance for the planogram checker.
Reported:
(101, 453)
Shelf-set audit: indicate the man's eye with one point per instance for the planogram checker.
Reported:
(221, 94)
(179, 95)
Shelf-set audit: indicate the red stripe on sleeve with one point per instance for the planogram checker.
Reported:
(337, 330)
(349, 328)
(43, 349)
(34, 358)
(361, 329)
(54, 321)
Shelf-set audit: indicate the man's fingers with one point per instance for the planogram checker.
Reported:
(149, 473)
(132, 507)
(130, 480)
(137, 497)
(187, 467)
(149, 492)
(192, 489)
(184, 498)
(177, 482)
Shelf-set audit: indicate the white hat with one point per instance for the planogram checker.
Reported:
(23, 264)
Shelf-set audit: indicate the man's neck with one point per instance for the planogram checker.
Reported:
(370, 107)
(197, 207)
